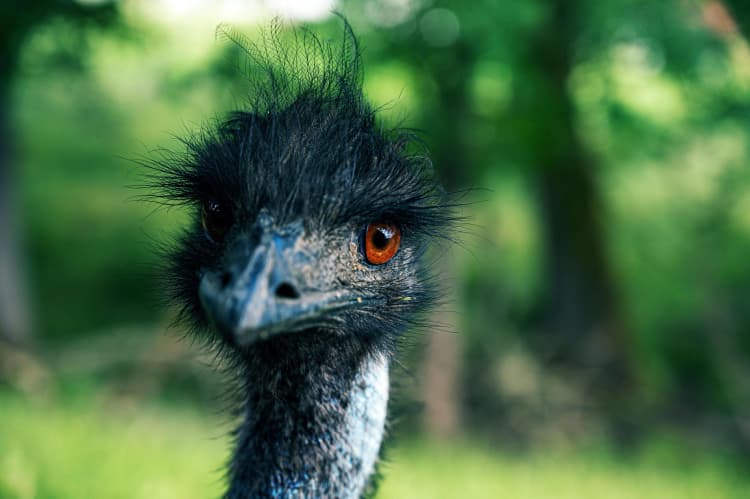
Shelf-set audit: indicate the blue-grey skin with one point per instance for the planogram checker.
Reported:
(275, 287)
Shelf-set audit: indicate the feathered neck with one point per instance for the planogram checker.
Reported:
(314, 418)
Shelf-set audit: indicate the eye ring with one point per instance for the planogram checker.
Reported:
(381, 243)
(216, 220)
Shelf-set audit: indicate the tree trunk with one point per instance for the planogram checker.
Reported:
(584, 333)
(441, 369)
(15, 324)
(17, 19)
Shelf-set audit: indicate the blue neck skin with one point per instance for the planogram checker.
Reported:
(314, 423)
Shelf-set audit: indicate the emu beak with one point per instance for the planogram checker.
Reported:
(267, 291)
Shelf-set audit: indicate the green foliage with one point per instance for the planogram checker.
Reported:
(659, 103)
(660, 107)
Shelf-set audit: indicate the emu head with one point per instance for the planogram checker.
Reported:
(308, 216)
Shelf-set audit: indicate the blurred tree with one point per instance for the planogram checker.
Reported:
(448, 120)
(18, 19)
(449, 123)
(584, 331)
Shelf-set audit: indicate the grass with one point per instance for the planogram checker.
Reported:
(429, 470)
(98, 446)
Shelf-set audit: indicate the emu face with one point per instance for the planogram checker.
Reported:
(280, 279)
(271, 277)
(309, 217)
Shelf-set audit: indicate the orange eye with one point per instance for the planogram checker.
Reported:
(381, 242)
(216, 221)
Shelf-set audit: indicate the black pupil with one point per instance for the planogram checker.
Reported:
(213, 213)
(381, 237)
(215, 219)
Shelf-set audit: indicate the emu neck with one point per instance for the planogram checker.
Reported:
(314, 419)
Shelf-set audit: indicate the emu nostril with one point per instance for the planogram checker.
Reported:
(226, 278)
(286, 290)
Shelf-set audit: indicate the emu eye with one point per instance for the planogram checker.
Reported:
(381, 242)
(216, 220)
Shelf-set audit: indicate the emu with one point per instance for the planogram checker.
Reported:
(304, 264)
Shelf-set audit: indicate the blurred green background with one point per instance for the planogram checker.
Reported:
(597, 337)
